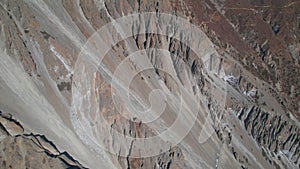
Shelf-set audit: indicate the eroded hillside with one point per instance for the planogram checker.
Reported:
(149, 84)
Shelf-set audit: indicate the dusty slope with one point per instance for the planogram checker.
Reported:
(207, 71)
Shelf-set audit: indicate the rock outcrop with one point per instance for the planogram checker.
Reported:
(21, 150)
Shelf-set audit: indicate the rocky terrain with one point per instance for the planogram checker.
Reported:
(149, 84)
(22, 150)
